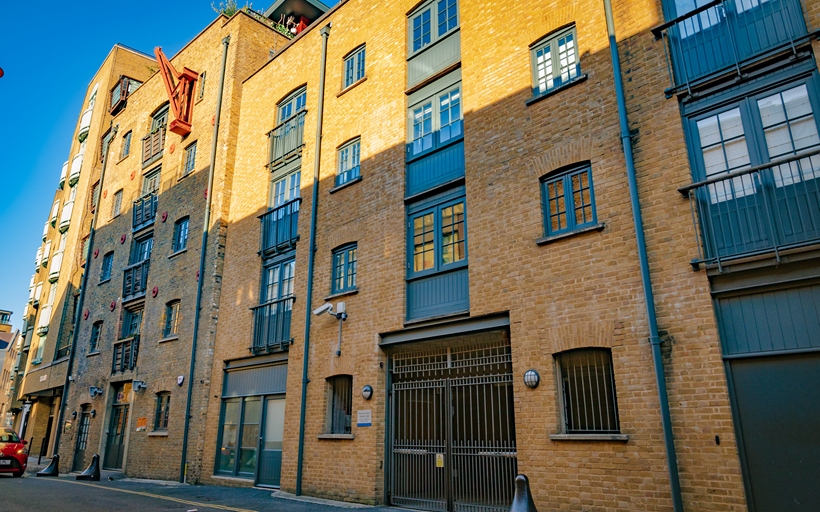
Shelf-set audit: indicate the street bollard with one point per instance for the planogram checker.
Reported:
(92, 472)
(53, 469)
(522, 502)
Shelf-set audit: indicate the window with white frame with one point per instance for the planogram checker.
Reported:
(354, 67)
(349, 159)
(555, 61)
(435, 120)
(589, 404)
(431, 22)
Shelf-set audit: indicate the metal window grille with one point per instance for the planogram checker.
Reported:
(341, 404)
(587, 382)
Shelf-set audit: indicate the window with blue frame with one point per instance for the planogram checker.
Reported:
(107, 263)
(345, 260)
(422, 23)
(438, 237)
(555, 61)
(436, 120)
(354, 67)
(569, 200)
(349, 160)
(94, 341)
(190, 159)
(180, 241)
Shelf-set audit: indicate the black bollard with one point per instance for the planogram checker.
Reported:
(522, 502)
(53, 469)
(92, 472)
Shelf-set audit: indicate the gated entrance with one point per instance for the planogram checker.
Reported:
(453, 428)
(82, 439)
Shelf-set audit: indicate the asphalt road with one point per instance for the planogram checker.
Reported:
(66, 494)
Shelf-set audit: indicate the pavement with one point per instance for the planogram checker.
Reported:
(115, 492)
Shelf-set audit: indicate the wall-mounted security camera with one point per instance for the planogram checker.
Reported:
(94, 391)
(327, 307)
(140, 385)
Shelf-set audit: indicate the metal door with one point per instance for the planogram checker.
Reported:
(269, 469)
(115, 445)
(778, 414)
(82, 440)
(453, 429)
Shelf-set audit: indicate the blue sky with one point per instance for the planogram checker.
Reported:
(49, 51)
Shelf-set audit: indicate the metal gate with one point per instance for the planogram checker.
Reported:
(453, 429)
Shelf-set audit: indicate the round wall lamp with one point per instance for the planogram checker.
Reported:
(531, 379)
(367, 392)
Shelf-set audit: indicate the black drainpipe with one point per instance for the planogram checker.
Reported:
(183, 467)
(81, 300)
(309, 293)
(654, 338)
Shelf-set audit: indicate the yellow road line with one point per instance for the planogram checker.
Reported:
(157, 496)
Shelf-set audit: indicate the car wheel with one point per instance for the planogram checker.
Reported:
(18, 474)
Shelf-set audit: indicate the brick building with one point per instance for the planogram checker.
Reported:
(452, 241)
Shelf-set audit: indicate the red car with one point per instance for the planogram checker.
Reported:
(13, 453)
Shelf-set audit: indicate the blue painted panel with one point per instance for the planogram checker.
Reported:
(260, 380)
(770, 322)
(434, 169)
(439, 294)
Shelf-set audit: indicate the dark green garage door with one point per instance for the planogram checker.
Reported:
(771, 344)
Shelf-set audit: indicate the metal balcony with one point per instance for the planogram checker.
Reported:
(287, 140)
(280, 227)
(144, 211)
(76, 167)
(763, 209)
(65, 216)
(726, 37)
(85, 125)
(271, 326)
(125, 354)
(54, 269)
(134, 280)
(63, 174)
(152, 146)
(45, 318)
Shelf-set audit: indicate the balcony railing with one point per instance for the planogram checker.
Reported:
(45, 318)
(763, 209)
(76, 167)
(134, 280)
(280, 227)
(63, 174)
(125, 354)
(725, 36)
(287, 139)
(152, 146)
(65, 216)
(271, 326)
(85, 125)
(144, 211)
(54, 269)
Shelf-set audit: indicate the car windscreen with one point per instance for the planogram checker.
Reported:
(7, 436)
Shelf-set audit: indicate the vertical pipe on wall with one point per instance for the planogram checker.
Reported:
(654, 338)
(80, 301)
(311, 251)
(183, 467)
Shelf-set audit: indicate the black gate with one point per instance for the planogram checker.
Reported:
(453, 429)
(82, 439)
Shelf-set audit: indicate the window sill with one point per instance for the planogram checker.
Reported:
(36, 362)
(104, 281)
(354, 291)
(553, 238)
(173, 337)
(158, 433)
(589, 437)
(233, 478)
(335, 436)
(177, 253)
(95, 353)
(555, 90)
(345, 184)
(123, 158)
(351, 86)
